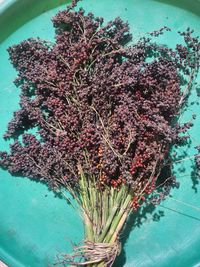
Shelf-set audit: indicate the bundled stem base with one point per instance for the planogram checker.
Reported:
(104, 213)
(97, 253)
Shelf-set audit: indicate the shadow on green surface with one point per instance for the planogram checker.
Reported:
(136, 219)
(192, 5)
(23, 11)
(142, 216)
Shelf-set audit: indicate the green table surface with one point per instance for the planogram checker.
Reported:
(35, 225)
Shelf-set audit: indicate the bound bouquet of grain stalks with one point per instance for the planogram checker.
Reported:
(106, 117)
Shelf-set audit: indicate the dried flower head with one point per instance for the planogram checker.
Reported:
(98, 103)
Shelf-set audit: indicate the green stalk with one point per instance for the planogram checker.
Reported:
(93, 210)
(117, 219)
(107, 210)
(97, 212)
(117, 224)
(86, 203)
(104, 206)
(110, 218)
(88, 228)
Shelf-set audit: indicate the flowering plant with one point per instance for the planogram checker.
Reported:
(106, 114)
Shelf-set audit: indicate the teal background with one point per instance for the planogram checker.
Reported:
(35, 225)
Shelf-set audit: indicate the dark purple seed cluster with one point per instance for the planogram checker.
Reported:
(97, 102)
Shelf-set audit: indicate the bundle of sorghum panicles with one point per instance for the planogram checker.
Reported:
(106, 117)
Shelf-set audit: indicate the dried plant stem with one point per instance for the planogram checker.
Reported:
(119, 221)
(117, 225)
(104, 213)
